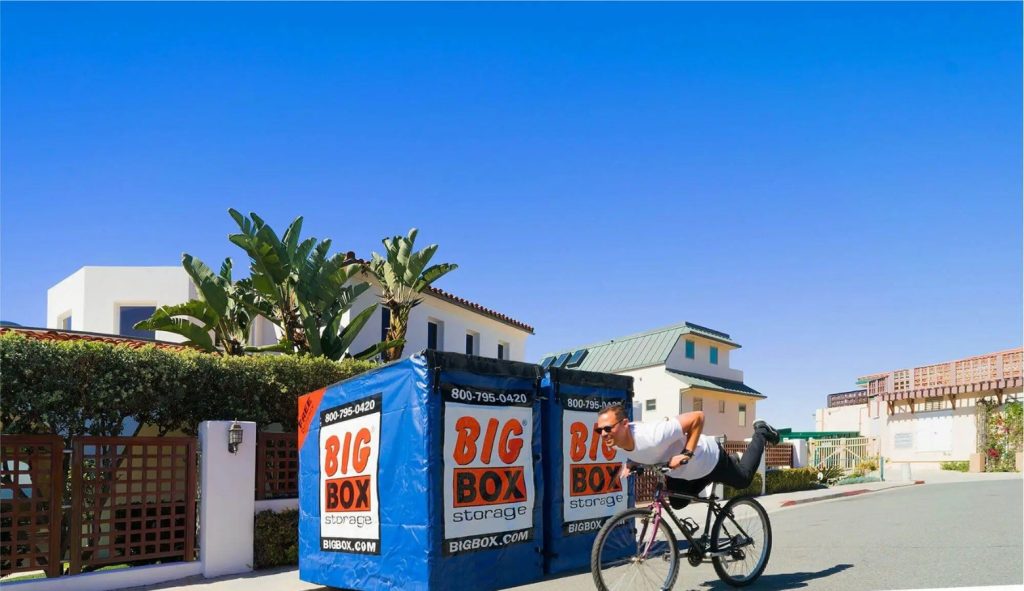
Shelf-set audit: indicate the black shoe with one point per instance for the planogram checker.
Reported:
(769, 432)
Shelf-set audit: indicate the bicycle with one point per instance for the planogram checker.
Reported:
(637, 549)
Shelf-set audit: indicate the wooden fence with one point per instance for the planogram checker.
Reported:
(775, 456)
(277, 465)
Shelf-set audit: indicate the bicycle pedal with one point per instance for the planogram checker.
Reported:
(690, 525)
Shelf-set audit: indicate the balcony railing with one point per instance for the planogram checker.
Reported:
(847, 398)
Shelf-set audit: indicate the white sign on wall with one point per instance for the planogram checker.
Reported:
(591, 488)
(489, 492)
(349, 453)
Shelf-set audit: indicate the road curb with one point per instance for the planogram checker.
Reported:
(847, 493)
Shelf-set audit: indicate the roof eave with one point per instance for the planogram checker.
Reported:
(455, 301)
(748, 392)
(758, 395)
(732, 344)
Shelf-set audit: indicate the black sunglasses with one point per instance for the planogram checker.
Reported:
(607, 428)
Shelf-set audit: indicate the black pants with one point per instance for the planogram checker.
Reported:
(728, 471)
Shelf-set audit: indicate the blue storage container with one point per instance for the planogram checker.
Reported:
(423, 474)
(581, 475)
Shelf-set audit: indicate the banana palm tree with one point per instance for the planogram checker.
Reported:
(219, 320)
(302, 289)
(403, 275)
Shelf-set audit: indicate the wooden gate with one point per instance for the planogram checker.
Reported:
(133, 499)
(31, 494)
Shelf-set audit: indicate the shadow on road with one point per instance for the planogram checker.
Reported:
(782, 581)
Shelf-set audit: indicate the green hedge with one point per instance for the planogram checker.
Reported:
(957, 466)
(779, 481)
(858, 480)
(90, 388)
(276, 539)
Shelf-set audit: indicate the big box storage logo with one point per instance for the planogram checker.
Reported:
(592, 489)
(488, 467)
(349, 454)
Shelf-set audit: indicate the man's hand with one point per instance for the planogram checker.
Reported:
(625, 471)
(677, 461)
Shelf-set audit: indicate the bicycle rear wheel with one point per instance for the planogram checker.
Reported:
(631, 553)
(742, 528)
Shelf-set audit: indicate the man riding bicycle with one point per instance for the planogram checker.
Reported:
(694, 459)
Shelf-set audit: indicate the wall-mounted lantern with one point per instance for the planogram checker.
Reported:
(234, 437)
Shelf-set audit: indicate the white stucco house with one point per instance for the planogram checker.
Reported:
(926, 415)
(110, 300)
(675, 369)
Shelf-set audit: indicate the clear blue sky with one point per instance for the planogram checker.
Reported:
(838, 186)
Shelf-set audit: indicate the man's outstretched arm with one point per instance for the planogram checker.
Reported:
(693, 425)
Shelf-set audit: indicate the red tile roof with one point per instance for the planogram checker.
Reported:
(53, 334)
(474, 307)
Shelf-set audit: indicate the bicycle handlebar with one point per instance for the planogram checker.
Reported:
(637, 468)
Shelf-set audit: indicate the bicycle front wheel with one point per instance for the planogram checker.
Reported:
(743, 531)
(632, 552)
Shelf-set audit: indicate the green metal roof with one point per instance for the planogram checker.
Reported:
(788, 433)
(640, 350)
(696, 380)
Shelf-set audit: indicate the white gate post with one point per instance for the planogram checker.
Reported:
(799, 453)
(228, 499)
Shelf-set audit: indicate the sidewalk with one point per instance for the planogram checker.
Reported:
(287, 579)
(782, 501)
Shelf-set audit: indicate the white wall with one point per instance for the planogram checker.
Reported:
(94, 295)
(701, 362)
(657, 384)
(926, 432)
(843, 418)
(264, 332)
(457, 320)
(67, 297)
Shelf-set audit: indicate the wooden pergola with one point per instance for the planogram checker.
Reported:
(984, 375)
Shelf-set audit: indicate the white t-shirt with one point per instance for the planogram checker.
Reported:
(657, 441)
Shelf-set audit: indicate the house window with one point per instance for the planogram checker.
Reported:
(651, 404)
(502, 350)
(472, 343)
(65, 322)
(743, 415)
(698, 404)
(690, 349)
(130, 315)
(385, 323)
(721, 407)
(714, 355)
(435, 335)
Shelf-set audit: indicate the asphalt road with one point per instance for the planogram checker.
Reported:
(927, 536)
